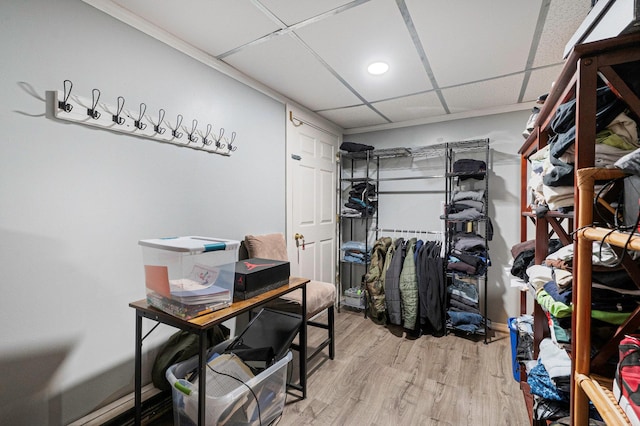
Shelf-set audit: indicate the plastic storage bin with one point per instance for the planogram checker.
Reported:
(513, 335)
(354, 297)
(189, 276)
(237, 407)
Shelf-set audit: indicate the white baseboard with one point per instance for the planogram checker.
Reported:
(116, 408)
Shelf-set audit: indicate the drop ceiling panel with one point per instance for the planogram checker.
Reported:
(373, 31)
(293, 12)
(540, 82)
(483, 95)
(287, 67)
(563, 19)
(469, 40)
(477, 51)
(214, 26)
(411, 107)
(359, 116)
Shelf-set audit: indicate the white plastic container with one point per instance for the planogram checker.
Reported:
(236, 407)
(189, 276)
(354, 297)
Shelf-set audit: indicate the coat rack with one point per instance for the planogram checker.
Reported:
(64, 105)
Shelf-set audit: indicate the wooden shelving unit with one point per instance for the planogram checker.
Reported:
(579, 79)
(587, 386)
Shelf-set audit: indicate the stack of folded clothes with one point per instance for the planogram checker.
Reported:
(549, 380)
(355, 252)
(362, 201)
(469, 254)
(463, 313)
(466, 205)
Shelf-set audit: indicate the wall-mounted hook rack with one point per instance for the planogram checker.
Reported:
(63, 105)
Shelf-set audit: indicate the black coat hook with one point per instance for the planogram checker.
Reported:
(160, 130)
(230, 146)
(206, 141)
(63, 104)
(175, 132)
(138, 123)
(194, 125)
(218, 140)
(117, 118)
(93, 112)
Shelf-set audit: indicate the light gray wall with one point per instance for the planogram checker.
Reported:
(74, 200)
(505, 134)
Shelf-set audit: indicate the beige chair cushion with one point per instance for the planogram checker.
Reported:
(320, 296)
(268, 246)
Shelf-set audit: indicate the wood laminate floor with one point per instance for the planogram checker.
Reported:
(381, 377)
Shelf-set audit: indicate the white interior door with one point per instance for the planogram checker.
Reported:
(311, 197)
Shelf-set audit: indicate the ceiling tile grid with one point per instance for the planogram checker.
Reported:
(470, 41)
(559, 26)
(293, 12)
(286, 66)
(540, 82)
(213, 26)
(353, 117)
(444, 57)
(371, 32)
(411, 107)
(483, 95)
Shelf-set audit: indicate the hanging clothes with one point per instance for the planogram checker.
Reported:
(432, 289)
(409, 287)
(395, 259)
(374, 280)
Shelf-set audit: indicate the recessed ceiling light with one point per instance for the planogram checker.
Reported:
(378, 68)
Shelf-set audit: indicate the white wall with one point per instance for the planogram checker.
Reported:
(74, 200)
(505, 134)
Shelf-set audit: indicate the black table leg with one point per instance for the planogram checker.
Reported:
(138, 371)
(202, 389)
(303, 344)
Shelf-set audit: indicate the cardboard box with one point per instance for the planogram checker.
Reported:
(255, 276)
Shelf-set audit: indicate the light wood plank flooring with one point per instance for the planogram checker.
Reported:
(381, 377)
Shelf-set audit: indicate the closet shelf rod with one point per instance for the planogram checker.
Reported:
(412, 178)
(408, 231)
(438, 191)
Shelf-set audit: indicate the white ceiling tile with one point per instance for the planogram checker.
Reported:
(358, 116)
(477, 51)
(287, 67)
(214, 26)
(486, 94)
(292, 12)
(563, 19)
(468, 40)
(540, 82)
(373, 31)
(411, 107)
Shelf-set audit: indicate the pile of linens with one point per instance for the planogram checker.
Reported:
(552, 168)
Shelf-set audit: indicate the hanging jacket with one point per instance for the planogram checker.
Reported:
(374, 280)
(409, 288)
(432, 289)
(395, 255)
